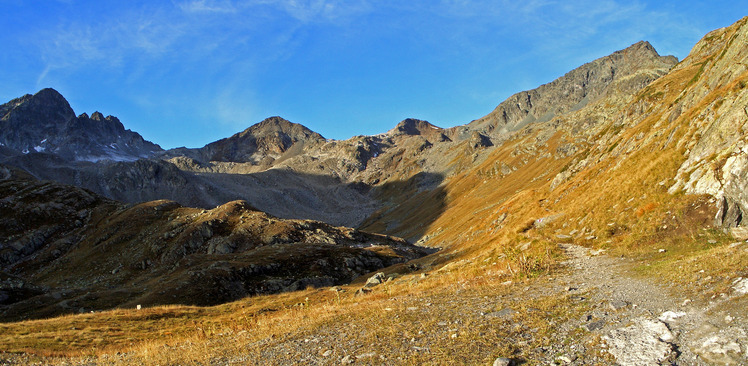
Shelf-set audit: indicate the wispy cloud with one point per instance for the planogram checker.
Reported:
(193, 29)
(319, 11)
(207, 6)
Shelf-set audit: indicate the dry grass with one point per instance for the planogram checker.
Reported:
(394, 321)
(490, 227)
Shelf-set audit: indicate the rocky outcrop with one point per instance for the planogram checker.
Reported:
(715, 106)
(45, 123)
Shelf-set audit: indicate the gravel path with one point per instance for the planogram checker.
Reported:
(643, 324)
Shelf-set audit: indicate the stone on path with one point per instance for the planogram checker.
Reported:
(670, 316)
(646, 342)
(502, 361)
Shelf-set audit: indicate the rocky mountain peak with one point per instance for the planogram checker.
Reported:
(279, 125)
(47, 107)
(52, 99)
(412, 126)
(632, 68)
(45, 123)
(261, 143)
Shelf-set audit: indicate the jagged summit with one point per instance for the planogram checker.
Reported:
(45, 123)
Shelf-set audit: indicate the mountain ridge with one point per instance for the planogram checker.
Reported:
(45, 122)
(366, 162)
(636, 183)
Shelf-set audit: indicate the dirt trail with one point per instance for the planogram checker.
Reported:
(634, 320)
(643, 324)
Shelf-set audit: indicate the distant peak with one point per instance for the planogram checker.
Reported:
(49, 93)
(275, 121)
(646, 50)
(412, 126)
(278, 124)
(49, 97)
(47, 100)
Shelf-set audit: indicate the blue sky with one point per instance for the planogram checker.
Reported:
(188, 72)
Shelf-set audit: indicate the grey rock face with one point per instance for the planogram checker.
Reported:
(45, 123)
(635, 66)
(717, 161)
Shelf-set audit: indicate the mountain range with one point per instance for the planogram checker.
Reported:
(617, 153)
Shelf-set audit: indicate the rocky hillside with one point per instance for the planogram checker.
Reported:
(45, 123)
(65, 249)
(577, 222)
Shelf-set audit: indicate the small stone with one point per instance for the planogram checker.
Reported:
(503, 361)
(592, 326)
(375, 280)
(739, 233)
(643, 342)
(712, 241)
(347, 360)
(741, 285)
(565, 359)
(719, 349)
(618, 304)
(670, 316)
(503, 313)
(729, 319)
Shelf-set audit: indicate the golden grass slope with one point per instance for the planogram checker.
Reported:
(598, 176)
